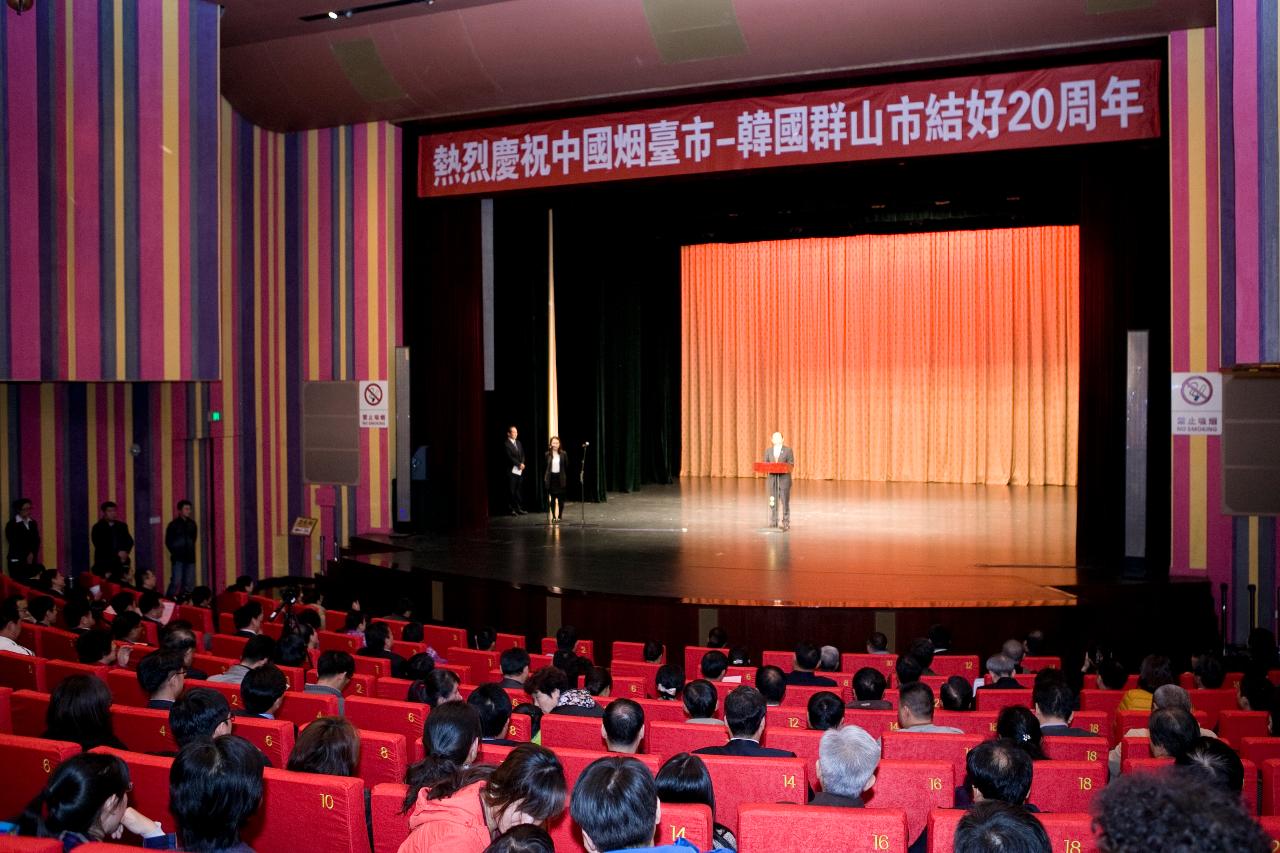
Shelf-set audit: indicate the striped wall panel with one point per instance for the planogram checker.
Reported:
(309, 259)
(108, 176)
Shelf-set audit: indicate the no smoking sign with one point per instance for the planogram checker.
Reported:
(373, 404)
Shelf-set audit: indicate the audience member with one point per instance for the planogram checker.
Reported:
(485, 639)
(700, 700)
(515, 667)
(1111, 674)
(997, 826)
(567, 639)
(877, 644)
(1020, 727)
(419, 666)
(494, 707)
(744, 715)
(1255, 692)
(869, 685)
(262, 691)
(1015, 651)
(161, 676)
(439, 686)
(123, 602)
(1173, 731)
(550, 691)
(669, 681)
(684, 778)
(334, 671)
(921, 650)
(653, 651)
(248, 619)
(1168, 696)
(915, 710)
(598, 682)
(147, 580)
(151, 606)
(257, 652)
(43, 610)
(215, 788)
(772, 684)
(956, 694)
(717, 638)
(10, 628)
(451, 737)
(354, 625)
(826, 711)
(127, 627)
(829, 660)
(1209, 672)
(377, 644)
(1054, 704)
(1217, 762)
(615, 802)
(292, 649)
(200, 712)
(623, 726)
(329, 746)
(413, 632)
(78, 616)
(1000, 669)
(525, 838)
(940, 637)
(87, 799)
(907, 670)
(1156, 671)
(807, 658)
(201, 596)
(1174, 811)
(80, 712)
(714, 663)
(96, 647)
(847, 760)
(569, 663)
(461, 813)
(999, 770)
(178, 636)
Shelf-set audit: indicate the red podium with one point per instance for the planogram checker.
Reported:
(772, 467)
(773, 472)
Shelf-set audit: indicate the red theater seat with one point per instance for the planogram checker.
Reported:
(672, 738)
(480, 663)
(21, 672)
(575, 761)
(150, 777)
(392, 688)
(738, 781)
(29, 707)
(384, 757)
(633, 652)
(386, 715)
(21, 844)
(6, 710)
(626, 687)
(390, 827)
(803, 742)
(1155, 765)
(1126, 720)
(508, 641)
(1235, 726)
(684, 820)
(56, 670)
(212, 665)
(490, 753)
(997, 700)
(230, 691)
(372, 667)
(335, 620)
(227, 646)
(982, 723)
(1135, 747)
(143, 729)
(49, 643)
(1270, 785)
(520, 728)
(746, 674)
(781, 717)
(301, 708)
(965, 666)
(1271, 826)
(876, 723)
(661, 711)
(125, 689)
(800, 828)
(693, 660)
(915, 787)
(441, 637)
(930, 747)
(201, 618)
(560, 730)
(885, 663)
(798, 697)
(307, 811)
(407, 650)
(1075, 748)
(274, 738)
(331, 641)
(785, 661)
(1095, 722)
(1100, 700)
(582, 648)
(1259, 750)
(1213, 703)
(1067, 832)
(1035, 663)
(28, 762)
(1066, 786)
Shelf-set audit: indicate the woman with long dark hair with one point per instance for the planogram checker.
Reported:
(328, 745)
(1016, 723)
(80, 712)
(684, 778)
(555, 478)
(451, 739)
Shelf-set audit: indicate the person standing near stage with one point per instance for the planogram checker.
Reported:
(22, 537)
(781, 486)
(555, 478)
(112, 543)
(180, 539)
(515, 456)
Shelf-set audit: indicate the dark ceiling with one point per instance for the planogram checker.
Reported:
(458, 59)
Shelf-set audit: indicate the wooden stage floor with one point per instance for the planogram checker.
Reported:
(851, 544)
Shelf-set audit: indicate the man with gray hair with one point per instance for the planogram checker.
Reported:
(1001, 668)
(1166, 697)
(847, 759)
(830, 660)
(1014, 650)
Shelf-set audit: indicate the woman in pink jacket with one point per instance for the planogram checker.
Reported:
(465, 811)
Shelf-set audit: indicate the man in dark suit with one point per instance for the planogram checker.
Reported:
(1000, 670)
(262, 691)
(162, 676)
(1054, 703)
(112, 543)
(248, 619)
(744, 714)
(515, 668)
(780, 484)
(377, 637)
(807, 658)
(22, 536)
(515, 474)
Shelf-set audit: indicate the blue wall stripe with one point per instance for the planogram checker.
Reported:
(4, 209)
(108, 189)
(44, 135)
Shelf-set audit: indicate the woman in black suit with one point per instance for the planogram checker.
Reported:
(555, 478)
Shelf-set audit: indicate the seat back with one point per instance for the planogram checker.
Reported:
(1092, 699)
(798, 696)
(332, 641)
(1126, 720)
(508, 641)
(628, 687)
(143, 729)
(212, 665)
(392, 688)
(1066, 786)
(55, 644)
(582, 648)
(372, 666)
(21, 672)
(1271, 826)
(1235, 726)
(1095, 723)
(887, 664)
(390, 827)
(689, 821)
(1259, 750)
(201, 618)
(981, 723)
(561, 730)
(384, 757)
(1035, 663)
(28, 763)
(1213, 703)
(301, 708)
(693, 660)
(230, 691)
(575, 761)
(782, 717)
(227, 646)
(930, 747)
(916, 787)
(23, 844)
(29, 709)
(56, 670)
(803, 742)
(150, 777)
(785, 661)
(661, 711)
(627, 651)
(481, 663)
(876, 723)
(125, 689)
(335, 620)
(821, 828)
(407, 650)
(965, 666)
(1071, 832)
(1060, 748)
(738, 780)
(998, 700)
(647, 673)
(387, 715)
(324, 812)
(671, 738)
(6, 709)
(274, 738)
(1270, 786)
(441, 637)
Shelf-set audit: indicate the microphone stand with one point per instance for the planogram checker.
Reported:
(582, 481)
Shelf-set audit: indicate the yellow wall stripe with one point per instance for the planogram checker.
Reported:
(171, 185)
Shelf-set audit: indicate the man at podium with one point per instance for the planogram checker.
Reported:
(780, 484)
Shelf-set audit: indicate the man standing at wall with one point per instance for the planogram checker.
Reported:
(180, 539)
(515, 458)
(112, 543)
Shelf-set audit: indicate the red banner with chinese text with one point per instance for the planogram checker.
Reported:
(1108, 102)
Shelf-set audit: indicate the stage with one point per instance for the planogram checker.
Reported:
(704, 541)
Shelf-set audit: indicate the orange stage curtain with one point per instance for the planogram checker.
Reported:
(949, 357)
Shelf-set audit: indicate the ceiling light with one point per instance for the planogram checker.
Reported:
(333, 16)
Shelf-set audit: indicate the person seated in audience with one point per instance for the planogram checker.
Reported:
(310, 618)
(96, 647)
(293, 649)
(549, 683)
(200, 712)
(940, 637)
(623, 726)
(1215, 762)
(525, 838)
(419, 666)
(717, 638)
(355, 624)
(127, 627)
(80, 712)
(463, 811)
(10, 628)
(534, 713)
(78, 616)
(568, 663)
(1000, 670)
(215, 788)
(1168, 696)
(615, 802)
(1171, 810)
(439, 686)
(246, 584)
(494, 707)
(248, 619)
(567, 639)
(1111, 674)
(956, 694)
(668, 682)
(87, 799)
(598, 682)
(1020, 727)
(869, 685)
(1156, 671)
(43, 610)
(485, 639)
(146, 580)
(257, 652)
(877, 644)
(908, 670)
(921, 650)
(684, 778)
(451, 739)
(1054, 705)
(514, 663)
(178, 636)
(807, 658)
(999, 770)
(1209, 672)
(826, 711)
(1255, 692)
(1173, 731)
(262, 691)
(161, 676)
(151, 606)
(377, 644)
(334, 671)
(772, 684)
(328, 745)
(744, 714)
(829, 659)
(713, 665)
(1015, 651)
(847, 759)
(652, 652)
(994, 825)
(414, 632)
(915, 710)
(202, 597)
(700, 700)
